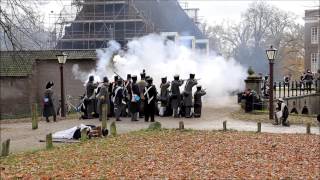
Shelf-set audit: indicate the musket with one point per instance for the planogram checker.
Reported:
(118, 75)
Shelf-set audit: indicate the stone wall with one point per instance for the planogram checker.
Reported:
(306, 104)
(15, 96)
(19, 93)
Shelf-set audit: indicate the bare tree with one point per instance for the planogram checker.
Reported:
(20, 25)
(261, 25)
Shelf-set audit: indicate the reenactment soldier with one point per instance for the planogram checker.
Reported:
(187, 95)
(134, 99)
(91, 97)
(48, 105)
(164, 96)
(112, 87)
(103, 97)
(198, 102)
(282, 113)
(127, 88)
(118, 99)
(175, 95)
(150, 93)
(142, 84)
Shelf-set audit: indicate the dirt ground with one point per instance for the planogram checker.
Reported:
(23, 138)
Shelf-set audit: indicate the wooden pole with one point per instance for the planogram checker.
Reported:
(224, 125)
(5, 148)
(181, 125)
(104, 117)
(113, 129)
(308, 128)
(49, 144)
(34, 115)
(84, 135)
(259, 127)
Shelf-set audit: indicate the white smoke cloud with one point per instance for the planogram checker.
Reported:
(218, 76)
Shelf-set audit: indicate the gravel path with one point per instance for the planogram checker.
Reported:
(25, 139)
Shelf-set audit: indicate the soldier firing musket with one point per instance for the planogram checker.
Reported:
(187, 95)
(198, 102)
(175, 96)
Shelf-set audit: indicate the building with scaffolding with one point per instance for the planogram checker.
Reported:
(90, 24)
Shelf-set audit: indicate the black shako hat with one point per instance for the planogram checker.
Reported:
(192, 76)
(49, 84)
(119, 81)
(91, 78)
(116, 78)
(128, 76)
(149, 80)
(176, 77)
(105, 79)
(134, 78)
(143, 75)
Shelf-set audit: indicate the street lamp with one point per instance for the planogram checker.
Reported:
(271, 55)
(62, 58)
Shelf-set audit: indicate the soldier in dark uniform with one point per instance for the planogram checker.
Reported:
(164, 96)
(103, 97)
(91, 97)
(198, 102)
(48, 105)
(175, 95)
(134, 99)
(118, 99)
(150, 93)
(187, 95)
(127, 89)
(142, 84)
(111, 89)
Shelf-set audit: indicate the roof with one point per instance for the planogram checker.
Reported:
(168, 16)
(19, 63)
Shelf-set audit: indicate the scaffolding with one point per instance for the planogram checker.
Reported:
(90, 24)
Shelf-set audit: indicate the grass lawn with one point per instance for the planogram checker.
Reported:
(173, 154)
(263, 116)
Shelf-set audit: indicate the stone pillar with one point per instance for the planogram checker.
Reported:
(317, 85)
(254, 82)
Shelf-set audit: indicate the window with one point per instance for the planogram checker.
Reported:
(314, 35)
(314, 62)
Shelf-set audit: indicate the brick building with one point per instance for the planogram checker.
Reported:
(23, 77)
(312, 40)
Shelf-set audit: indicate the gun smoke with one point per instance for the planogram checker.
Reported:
(160, 58)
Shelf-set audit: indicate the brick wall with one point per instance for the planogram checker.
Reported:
(18, 93)
(49, 70)
(15, 97)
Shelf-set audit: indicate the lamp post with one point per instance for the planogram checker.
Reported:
(62, 58)
(271, 55)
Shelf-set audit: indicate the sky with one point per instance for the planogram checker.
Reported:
(218, 11)
(211, 11)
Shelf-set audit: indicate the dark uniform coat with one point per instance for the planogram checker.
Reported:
(198, 102)
(187, 94)
(164, 94)
(134, 105)
(90, 87)
(103, 98)
(175, 93)
(48, 105)
(150, 94)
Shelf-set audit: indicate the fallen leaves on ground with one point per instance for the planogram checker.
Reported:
(171, 154)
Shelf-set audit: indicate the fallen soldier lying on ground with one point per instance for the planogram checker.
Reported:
(75, 132)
